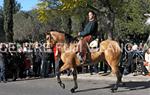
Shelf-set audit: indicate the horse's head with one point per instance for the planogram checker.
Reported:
(50, 41)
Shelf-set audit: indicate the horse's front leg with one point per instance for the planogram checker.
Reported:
(74, 73)
(59, 80)
(58, 73)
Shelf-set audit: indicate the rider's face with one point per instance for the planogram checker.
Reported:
(91, 16)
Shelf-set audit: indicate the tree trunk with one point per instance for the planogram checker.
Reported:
(111, 18)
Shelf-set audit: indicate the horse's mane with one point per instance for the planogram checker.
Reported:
(70, 39)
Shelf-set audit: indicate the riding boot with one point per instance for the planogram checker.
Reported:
(82, 57)
(86, 59)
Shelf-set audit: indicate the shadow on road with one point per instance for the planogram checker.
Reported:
(129, 86)
(136, 85)
(91, 89)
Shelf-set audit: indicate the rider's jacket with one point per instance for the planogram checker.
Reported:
(90, 29)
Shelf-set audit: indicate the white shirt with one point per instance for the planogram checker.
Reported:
(147, 57)
(135, 47)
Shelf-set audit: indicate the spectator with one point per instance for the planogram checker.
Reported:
(27, 64)
(141, 47)
(135, 47)
(147, 61)
(2, 69)
(21, 56)
(128, 65)
(48, 62)
(13, 65)
(103, 66)
(38, 59)
(57, 55)
(94, 68)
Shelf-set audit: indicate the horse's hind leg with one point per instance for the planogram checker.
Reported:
(121, 69)
(75, 81)
(116, 71)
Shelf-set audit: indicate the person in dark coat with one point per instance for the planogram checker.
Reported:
(87, 35)
(2, 69)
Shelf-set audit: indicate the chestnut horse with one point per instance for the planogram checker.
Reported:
(109, 50)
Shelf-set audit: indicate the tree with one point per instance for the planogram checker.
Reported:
(1, 25)
(23, 26)
(115, 17)
(70, 6)
(27, 27)
(17, 7)
(8, 19)
(130, 18)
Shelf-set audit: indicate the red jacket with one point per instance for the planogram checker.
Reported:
(57, 52)
(27, 63)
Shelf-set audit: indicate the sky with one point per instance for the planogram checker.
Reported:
(26, 5)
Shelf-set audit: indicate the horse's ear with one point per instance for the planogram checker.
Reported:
(47, 33)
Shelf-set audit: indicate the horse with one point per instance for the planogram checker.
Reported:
(109, 50)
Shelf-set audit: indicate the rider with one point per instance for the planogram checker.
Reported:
(87, 35)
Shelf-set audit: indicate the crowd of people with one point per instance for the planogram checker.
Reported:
(25, 61)
(135, 59)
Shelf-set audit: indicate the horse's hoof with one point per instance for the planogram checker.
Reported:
(62, 85)
(72, 90)
(113, 90)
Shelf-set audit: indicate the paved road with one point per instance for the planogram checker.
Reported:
(86, 87)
